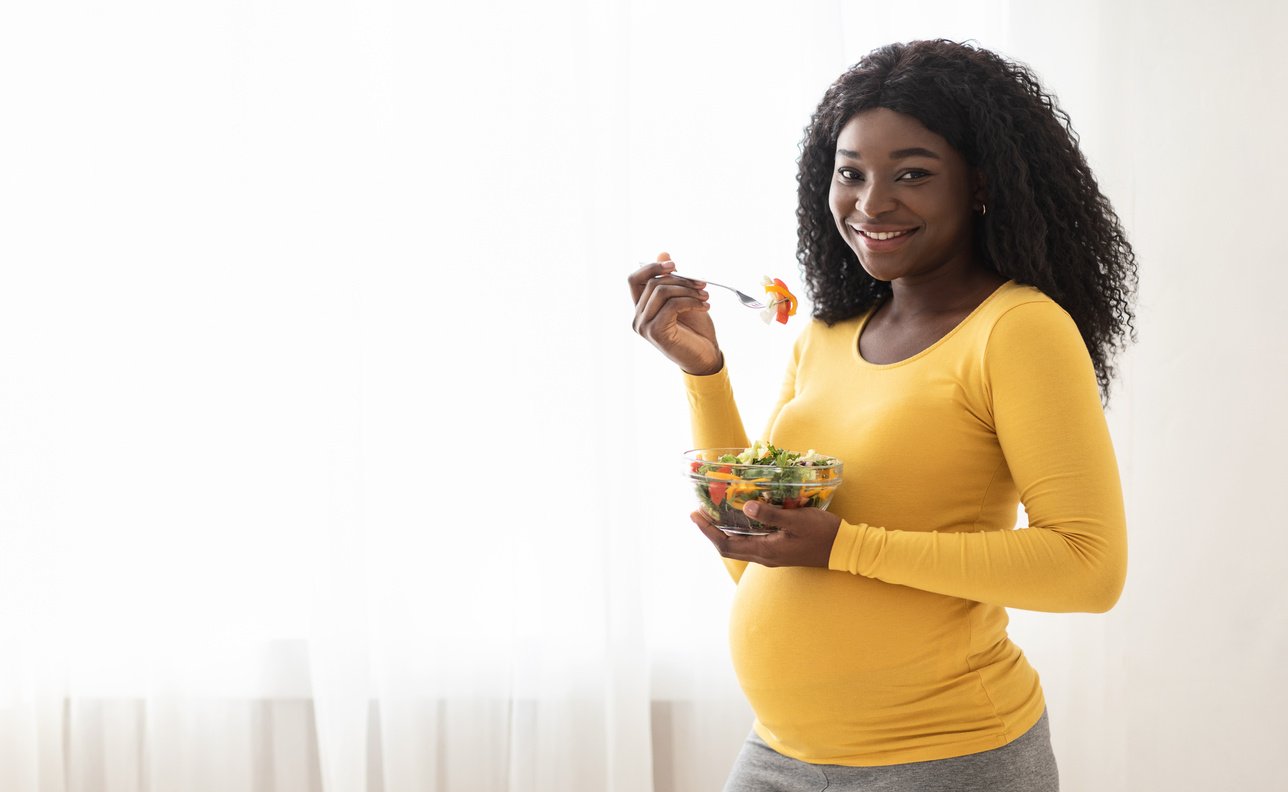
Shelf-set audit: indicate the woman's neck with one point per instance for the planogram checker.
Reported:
(940, 293)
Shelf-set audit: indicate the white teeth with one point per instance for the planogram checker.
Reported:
(882, 234)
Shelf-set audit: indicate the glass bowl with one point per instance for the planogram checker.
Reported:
(724, 488)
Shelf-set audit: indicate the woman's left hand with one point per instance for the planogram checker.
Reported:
(804, 536)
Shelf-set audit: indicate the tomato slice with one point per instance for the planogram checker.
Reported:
(717, 491)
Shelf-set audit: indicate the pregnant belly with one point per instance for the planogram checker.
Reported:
(820, 651)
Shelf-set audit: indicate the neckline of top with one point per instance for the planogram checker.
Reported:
(863, 322)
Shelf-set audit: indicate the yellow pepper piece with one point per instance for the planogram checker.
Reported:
(715, 474)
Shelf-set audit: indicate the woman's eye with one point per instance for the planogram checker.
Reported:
(913, 175)
(849, 174)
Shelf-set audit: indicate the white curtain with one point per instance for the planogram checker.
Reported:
(328, 460)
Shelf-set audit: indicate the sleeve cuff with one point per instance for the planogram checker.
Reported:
(854, 550)
(711, 389)
(704, 386)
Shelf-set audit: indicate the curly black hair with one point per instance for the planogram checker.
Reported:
(1048, 225)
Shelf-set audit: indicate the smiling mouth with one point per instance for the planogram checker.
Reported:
(882, 235)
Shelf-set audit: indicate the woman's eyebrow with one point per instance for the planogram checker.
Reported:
(916, 151)
(894, 155)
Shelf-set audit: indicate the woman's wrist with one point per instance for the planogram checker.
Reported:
(719, 365)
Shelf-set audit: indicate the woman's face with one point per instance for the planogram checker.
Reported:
(895, 177)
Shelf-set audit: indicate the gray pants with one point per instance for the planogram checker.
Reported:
(1026, 764)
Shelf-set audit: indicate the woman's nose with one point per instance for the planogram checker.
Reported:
(874, 201)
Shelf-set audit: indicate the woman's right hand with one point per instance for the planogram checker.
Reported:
(671, 312)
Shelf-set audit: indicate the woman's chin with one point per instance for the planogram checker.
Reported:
(877, 272)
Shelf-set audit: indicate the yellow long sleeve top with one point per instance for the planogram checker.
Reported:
(898, 652)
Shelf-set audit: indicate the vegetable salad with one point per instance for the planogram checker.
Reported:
(726, 480)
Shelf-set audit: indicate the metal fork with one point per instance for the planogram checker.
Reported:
(747, 300)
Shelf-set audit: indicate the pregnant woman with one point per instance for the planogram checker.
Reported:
(971, 286)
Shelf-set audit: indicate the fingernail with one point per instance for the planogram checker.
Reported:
(668, 265)
(703, 295)
(752, 508)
